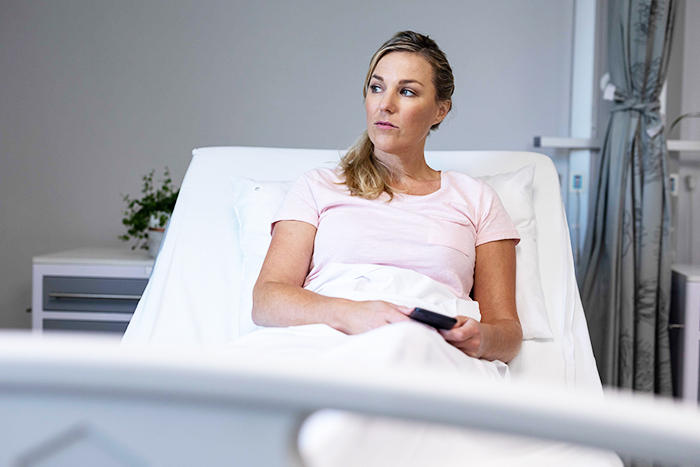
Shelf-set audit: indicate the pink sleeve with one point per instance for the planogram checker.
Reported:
(299, 204)
(494, 221)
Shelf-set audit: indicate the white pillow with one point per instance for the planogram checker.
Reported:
(256, 202)
(515, 191)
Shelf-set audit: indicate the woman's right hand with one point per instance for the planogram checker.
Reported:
(359, 317)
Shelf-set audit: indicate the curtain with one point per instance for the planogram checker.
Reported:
(625, 270)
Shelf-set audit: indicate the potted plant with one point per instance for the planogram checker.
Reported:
(146, 218)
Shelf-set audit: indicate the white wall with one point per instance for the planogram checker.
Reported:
(95, 93)
(688, 207)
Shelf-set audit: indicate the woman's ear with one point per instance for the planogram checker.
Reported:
(443, 109)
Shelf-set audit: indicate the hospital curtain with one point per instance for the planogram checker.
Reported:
(625, 271)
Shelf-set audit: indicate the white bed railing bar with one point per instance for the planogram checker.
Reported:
(271, 398)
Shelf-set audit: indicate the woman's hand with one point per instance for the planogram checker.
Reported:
(361, 317)
(489, 341)
(467, 336)
(280, 300)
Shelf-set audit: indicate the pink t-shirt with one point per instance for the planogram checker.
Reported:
(434, 234)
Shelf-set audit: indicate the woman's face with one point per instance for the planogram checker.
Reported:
(400, 103)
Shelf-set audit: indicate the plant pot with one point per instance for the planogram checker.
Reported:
(155, 237)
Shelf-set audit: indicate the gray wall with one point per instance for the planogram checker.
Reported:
(95, 93)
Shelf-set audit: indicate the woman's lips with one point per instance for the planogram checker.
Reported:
(385, 125)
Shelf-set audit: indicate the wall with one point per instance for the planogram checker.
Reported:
(688, 206)
(95, 93)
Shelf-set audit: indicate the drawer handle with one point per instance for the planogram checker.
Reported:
(676, 326)
(94, 296)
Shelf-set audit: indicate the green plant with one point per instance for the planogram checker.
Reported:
(152, 210)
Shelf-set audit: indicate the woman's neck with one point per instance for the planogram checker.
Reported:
(407, 166)
(410, 173)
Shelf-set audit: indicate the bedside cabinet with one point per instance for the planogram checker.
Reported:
(89, 289)
(684, 331)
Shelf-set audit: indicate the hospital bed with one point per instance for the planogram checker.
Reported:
(169, 395)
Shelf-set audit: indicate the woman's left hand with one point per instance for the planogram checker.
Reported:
(498, 335)
(467, 335)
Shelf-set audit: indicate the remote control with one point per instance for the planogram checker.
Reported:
(433, 319)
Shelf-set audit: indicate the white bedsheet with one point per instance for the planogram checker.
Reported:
(404, 287)
(334, 438)
(340, 439)
(409, 344)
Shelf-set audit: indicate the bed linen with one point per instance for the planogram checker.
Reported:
(335, 438)
(403, 287)
(332, 438)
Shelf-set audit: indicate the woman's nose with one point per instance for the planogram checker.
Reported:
(387, 104)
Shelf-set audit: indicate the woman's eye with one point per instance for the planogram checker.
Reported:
(375, 88)
(407, 92)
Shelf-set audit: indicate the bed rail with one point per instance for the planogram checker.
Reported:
(164, 406)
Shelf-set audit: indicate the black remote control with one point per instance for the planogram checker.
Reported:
(433, 319)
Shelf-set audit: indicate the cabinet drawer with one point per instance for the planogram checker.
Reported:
(88, 326)
(93, 294)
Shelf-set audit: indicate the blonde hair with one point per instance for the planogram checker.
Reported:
(365, 175)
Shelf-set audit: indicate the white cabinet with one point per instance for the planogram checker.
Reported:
(89, 289)
(684, 330)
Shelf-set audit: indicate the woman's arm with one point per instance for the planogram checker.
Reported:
(280, 300)
(498, 336)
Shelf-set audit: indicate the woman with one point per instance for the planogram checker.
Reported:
(385, 205)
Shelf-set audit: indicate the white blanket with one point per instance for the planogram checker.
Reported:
(399, 286)
(332, 438)
(409, 344)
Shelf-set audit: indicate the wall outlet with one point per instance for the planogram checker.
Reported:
(576, 182)
(673, 182)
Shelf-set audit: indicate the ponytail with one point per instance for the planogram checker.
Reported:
(365, 175)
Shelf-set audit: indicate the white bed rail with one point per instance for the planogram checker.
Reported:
(168, 407)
